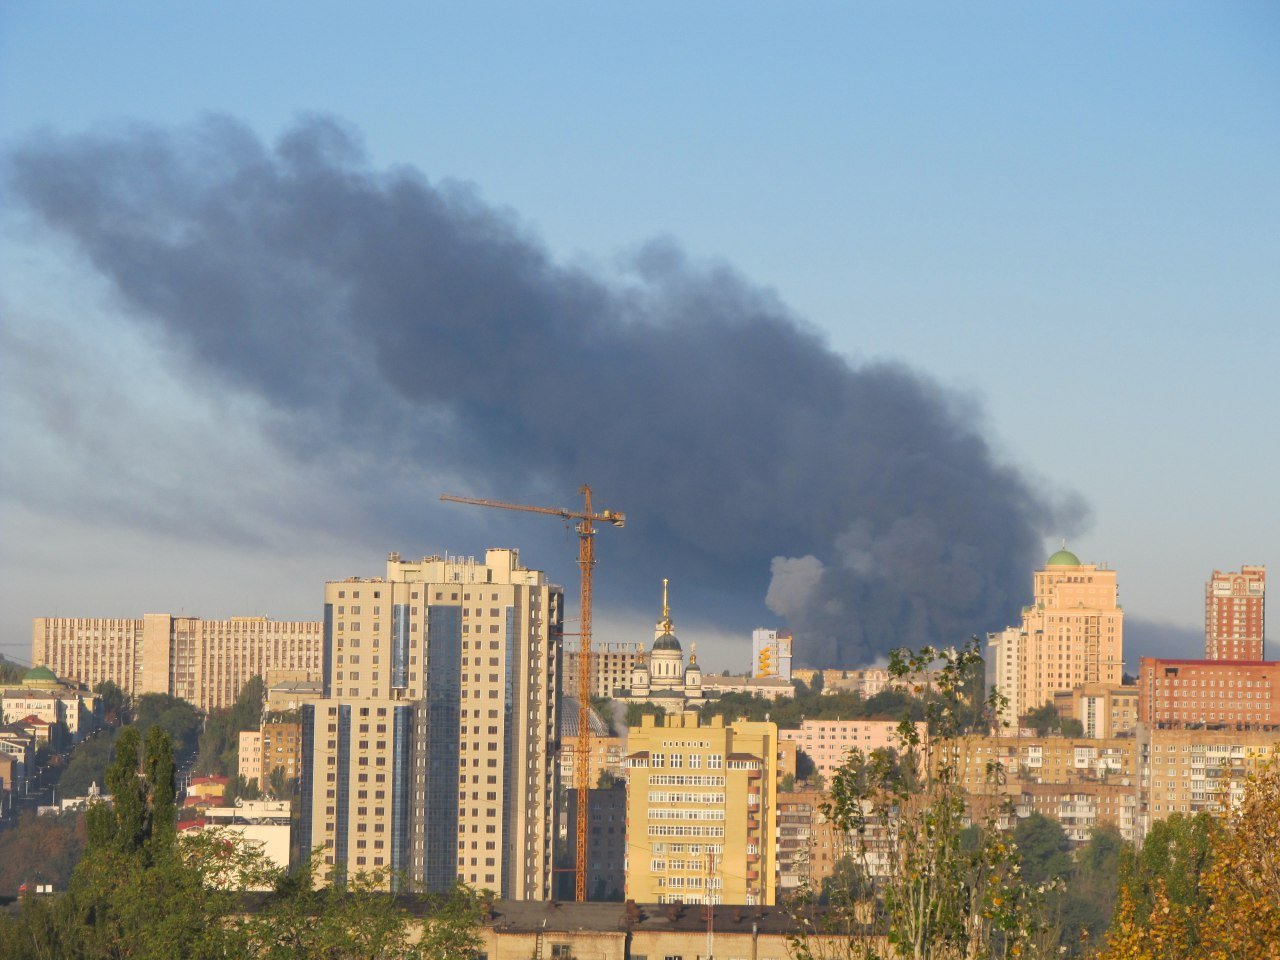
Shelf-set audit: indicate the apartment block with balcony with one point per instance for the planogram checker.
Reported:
(701, 811)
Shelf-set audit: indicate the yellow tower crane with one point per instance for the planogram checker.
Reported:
(586, 519)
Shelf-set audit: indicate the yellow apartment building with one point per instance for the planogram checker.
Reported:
(433, 751)
(702, 811)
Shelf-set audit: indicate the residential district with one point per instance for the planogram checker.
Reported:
(426, 727)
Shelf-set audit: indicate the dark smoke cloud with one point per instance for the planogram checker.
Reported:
(383, 319)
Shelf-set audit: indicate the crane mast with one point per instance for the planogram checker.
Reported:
(585, 527)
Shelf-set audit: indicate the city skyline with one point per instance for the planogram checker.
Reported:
(1058, 222)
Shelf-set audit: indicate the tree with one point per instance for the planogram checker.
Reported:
(178, 718)
(1045, 848)
(219, 749)
(636, 711)
(1087, 903)
(1243, 876)
(40, 849)
(1044, 720)
(87, 764)
(115, 703)
(944, 891)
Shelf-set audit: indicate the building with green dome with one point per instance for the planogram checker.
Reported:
(1072, 634)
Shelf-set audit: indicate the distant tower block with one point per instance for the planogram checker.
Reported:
(1234, 614)
(771, 653)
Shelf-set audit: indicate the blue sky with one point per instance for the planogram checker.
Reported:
(1068, 213)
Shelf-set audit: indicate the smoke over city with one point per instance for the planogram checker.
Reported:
(408, 328)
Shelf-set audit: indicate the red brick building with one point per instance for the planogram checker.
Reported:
(1234, 614)
(1235, 693)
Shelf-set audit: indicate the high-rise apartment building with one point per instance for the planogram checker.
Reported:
(202, 661)
(1072, 634)
(433, 752)
(771, 653)
(1235, 614)
(701, 811)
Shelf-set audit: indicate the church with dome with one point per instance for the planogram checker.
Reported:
(661, 676)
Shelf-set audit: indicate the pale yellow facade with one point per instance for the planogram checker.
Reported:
(205, 662)
(702, 811)
(1071, 635)
(464, 656)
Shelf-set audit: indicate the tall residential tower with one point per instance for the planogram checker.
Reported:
(1071, 635)
(1235, 614)
(433, 753)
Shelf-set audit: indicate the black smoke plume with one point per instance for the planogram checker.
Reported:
(385, 320)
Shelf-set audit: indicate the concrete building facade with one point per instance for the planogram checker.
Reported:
(701, 811)
(433, 753)
(1071, 635)
(205, 662)
(611, 666)
(1235, 614)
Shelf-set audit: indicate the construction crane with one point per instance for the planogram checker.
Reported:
(585, 526)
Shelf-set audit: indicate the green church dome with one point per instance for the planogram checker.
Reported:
(40, 674)
(1063, 558)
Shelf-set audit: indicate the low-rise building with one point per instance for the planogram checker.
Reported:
(771, 688)
(1194, 693)
(263, 825)
(1104, 710)
(631, 931)
(828, 742)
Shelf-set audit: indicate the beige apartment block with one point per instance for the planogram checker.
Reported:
(202, 661)
(1078, 781)
(701, 811)
(611, 666)
(433, 752)
(1000, 764)
(808, 843)
(1071, 635)
(1103, 710)
(1235, 614)
(1197, 771)
(1079, 808)
(828, 742)
(281, 750)
(250, 756)
(607, 756)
